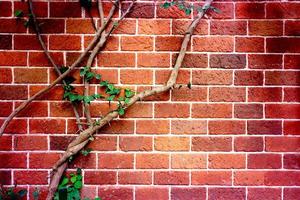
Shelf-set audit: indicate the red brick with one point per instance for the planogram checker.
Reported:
(192, 60)
(116, 59)
(292, 28)
(11, 26)
(213, 44)
(5, 108)
(227, 10)
(126, 26)
(282, 144)
(266, 28)
(154, 27)
(291, 193)
(264, 127)
(118, 127)
(291, 127)
(166, 110)
(168, 43)
(132, 177)
(13, 160)
(179, 27)
(264, 193)
(110, 75)
(173, 12)
(245, 10)
(5, 41)
(115, 161)
(212, 110)
(152, 193)
(6, 9)
(153, 60)
(227, 61)
(104, 143)
(292, 61)
(227, 161)
(16, 126)
(247, 178)
(227, 193)
(180, 193)
(28, 42)
(60, 142)
(282, 178)
(13, 58)
(186, 94)
(35, 109)
(61, 109)
(65, 9)
(152, 126)
(291, 161)
(225, 94)
(40, 8)
(133, 143)
(47, 126)
(65, 42)
(5, 143)
(39, 59)
(188, 127)
(31, 177)
(30, 75)
(152, 161)
(141, 10)
(100, 177)
(139, 110)
(265, 94)
(265, 61)
(79, 26)
(228, 28)
(106, 8)
(115, 193)
(6, 75)
(171, 143)
(188, 161)
(212, 77)
(211, 144)
(136, 43)
(5, 177)
(211, 178)
(50, 26)
(249, 44)
(30, 143)
(248, 111)
(282, 78)
(248, 144)
(286, 111)
(84, 162)
(283, 10)
(283, 45)
(43, 160)
(224, 127)
(291, 94)
(171, 178)
(132, 76)
(264, 161)
(162, 76)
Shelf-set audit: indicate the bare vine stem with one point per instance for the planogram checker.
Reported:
(83, 138)
(49, 57)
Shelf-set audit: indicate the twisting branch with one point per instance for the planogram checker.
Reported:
(59, 79)
(83, 138)
(42, 43)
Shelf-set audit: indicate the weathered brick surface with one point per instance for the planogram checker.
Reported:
(234, 135)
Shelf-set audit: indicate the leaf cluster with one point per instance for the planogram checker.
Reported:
(11, 194)
(27, 20)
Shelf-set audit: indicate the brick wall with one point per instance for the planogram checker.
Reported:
(233, 135)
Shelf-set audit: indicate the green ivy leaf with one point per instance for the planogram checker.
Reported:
(111, 98)
(128, 93)
(64, 181)
(127, 100)
(78, 185)
(97, 198)
(189, 85)
(98, 76)
(73, 179)
(166, 5)
(19, 13)
(188, 11)
(88, 99)
(121, 111)
(22, 193)
(103, 83)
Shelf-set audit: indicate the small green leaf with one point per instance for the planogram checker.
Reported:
(78, 171)
(97, 198)
(19, 13)
(22, 193)
(189, 85)
(166, 5)
(73, 179)
(111, 98)
(188, 11)
(127, 100)
(103, 83)
(78, 184)
(121, 111)
(64, 181)
(98, 76)
(88, 99)
(128, 93)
